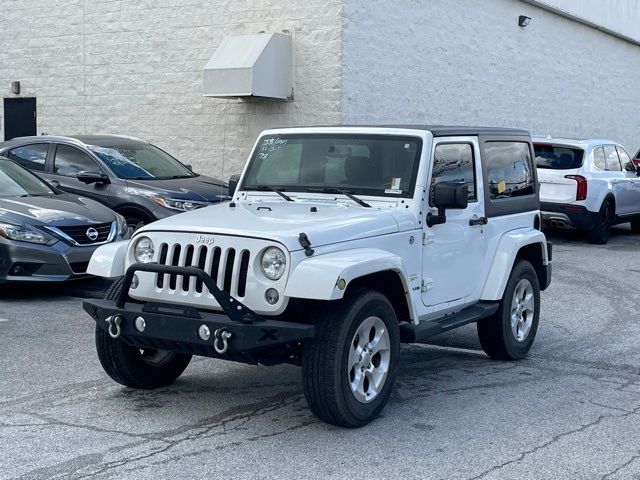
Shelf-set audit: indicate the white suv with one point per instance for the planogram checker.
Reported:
(339, 244)
(589, 185)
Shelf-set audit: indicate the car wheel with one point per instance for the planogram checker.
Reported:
(349, 369)
(635, 227)
(601, 233)
(134, 367)
(510, 332)
(134, 223)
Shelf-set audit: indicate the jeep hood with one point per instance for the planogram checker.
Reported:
(284, 221)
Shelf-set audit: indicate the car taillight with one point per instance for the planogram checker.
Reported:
(581, 191)
(636, 162)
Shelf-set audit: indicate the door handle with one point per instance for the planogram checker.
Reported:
(478, 221)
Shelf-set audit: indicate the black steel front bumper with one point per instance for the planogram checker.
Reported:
(175, 327)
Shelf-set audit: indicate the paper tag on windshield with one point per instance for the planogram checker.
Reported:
(397, 192)
(502, 186)
(395, 183)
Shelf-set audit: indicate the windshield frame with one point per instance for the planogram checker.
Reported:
(360, 192)
(52, 189)
(92, 148)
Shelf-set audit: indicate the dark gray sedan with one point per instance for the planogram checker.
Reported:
(45, 234)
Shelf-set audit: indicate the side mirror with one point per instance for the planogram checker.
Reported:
(89, 177)
(233, 184)
(190, 167)
(447, 195)
(54, 183)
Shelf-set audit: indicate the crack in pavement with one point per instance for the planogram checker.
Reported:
(621, 467)
(237, 417)
(553, 440)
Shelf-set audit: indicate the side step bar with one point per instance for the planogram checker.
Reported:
(410, 333)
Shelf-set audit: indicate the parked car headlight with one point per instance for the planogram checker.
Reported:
(143, 250)
(178, 204)
(123, 229)
(25, 234)
(273, 263)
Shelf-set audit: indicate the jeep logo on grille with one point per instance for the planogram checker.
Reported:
(206, 239)
(92, 234)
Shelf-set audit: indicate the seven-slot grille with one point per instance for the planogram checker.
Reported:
(79, 234)
(227, 266)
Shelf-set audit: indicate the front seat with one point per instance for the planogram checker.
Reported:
(362, 171)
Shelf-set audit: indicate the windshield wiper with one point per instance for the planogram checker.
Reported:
(343, 192)
(272, 189)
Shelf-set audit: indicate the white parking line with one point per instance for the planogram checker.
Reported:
(4, 320)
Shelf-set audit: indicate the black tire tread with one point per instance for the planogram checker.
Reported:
(596, 235)
(321, 374)
(492, 331)
(116, 358)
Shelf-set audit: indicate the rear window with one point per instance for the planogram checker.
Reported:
(558, 157)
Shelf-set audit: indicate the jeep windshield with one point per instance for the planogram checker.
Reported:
(376, 165)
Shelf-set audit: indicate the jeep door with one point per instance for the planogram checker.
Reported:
(453, 252)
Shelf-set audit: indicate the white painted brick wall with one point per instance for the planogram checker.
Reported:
(468, 62)
(134, 67)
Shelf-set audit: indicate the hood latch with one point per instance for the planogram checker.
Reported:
(306, 244)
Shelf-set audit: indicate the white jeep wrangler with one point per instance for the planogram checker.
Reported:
(339, 244)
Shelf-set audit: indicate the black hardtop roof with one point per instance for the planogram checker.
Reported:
(445, 130)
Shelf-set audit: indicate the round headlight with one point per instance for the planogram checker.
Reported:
(143, 250)
(273, 263)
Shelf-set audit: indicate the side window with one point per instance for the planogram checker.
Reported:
(70, 160)
(30, 156)
(611, 159)
(625, 160)
(509, 169)
(598, 158)
(453, 162)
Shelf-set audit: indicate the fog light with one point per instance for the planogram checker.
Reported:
(272, 296)
(135, 281)
(140, 324)
(204, 333)
(341, 283)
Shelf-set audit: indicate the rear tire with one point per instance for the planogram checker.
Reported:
(134, 223)
(601, 233)
(134, 367)
(510, 332)
(349, 369)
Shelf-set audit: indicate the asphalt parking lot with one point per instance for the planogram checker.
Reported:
(571, 410)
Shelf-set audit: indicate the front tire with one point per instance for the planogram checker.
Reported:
(349, 369)
(510, 332)
(133, 367)
(600, 234)
(635, 227)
